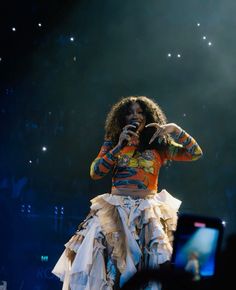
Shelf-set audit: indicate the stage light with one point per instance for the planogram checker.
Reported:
(209, 43)
(22, 208)
(198, 24)
(169, 54)
(44, 148)
(29, 208)
(55, 210)
(58, 210)
(204, 37)
(179, 55)
(13, 29)
(39, 24)
(26, 208)
(72, 39)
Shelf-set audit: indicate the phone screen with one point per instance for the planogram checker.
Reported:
(196, 245)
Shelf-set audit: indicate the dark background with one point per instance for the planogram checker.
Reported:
(61, 70)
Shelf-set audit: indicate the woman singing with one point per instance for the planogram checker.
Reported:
(131, 227)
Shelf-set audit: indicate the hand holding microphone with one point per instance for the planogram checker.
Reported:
(128, 131)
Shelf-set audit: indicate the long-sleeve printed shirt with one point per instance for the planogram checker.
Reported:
(139, 170)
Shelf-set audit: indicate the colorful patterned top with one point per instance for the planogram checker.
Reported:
(140, 170)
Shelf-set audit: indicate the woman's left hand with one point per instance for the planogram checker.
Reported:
(161, 130)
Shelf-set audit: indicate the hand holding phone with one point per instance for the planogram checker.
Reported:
(197, 244)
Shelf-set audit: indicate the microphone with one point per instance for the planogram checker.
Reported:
(134, 123)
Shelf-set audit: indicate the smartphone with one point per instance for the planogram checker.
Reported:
(197, 245)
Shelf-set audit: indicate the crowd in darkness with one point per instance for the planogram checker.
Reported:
(172, 279)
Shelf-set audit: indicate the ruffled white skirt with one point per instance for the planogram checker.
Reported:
(120, 235)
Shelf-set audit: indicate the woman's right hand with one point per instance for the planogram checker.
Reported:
(126, 134)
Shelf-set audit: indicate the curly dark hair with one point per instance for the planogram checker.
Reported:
(115, 121)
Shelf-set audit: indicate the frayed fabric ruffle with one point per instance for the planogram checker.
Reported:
(121, 235)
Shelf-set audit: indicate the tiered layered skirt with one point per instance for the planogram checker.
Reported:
(121, 235)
